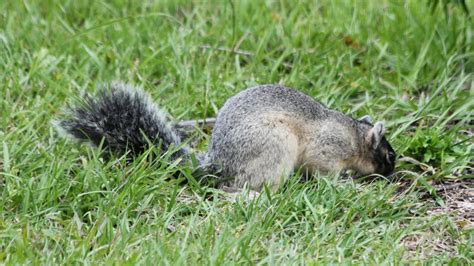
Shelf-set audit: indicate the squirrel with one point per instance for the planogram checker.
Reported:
(260, 136)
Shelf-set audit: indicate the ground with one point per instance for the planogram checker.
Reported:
(402, 62)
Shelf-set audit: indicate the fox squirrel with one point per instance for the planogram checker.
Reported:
(260, 136)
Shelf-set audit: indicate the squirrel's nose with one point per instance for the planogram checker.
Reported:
(389, 172)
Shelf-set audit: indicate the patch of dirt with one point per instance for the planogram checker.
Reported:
(457, 202)
(426, 246)
(458, 197)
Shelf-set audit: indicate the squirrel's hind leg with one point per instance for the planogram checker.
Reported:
(272, 166)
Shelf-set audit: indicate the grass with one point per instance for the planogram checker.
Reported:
(394, 60)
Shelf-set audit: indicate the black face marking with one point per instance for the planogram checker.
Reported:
(383, 157)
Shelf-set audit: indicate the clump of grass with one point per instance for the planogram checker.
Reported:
(60, 203)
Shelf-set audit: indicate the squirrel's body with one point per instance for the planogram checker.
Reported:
(265, 133)
(261, 135)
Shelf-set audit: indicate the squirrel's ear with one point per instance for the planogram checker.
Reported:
(366, 119)
(375, 134)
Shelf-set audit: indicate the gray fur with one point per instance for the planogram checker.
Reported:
(376, 134)
(261, 135)
(366, 119)
(264, 133)
(124, 119)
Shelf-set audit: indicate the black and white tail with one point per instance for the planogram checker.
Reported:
(123, 119)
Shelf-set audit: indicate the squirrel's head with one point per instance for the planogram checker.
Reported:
(376, 154)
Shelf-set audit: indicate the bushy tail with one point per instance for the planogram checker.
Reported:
(123, 119)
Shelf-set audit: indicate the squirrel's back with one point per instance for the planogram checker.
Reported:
(270, 98)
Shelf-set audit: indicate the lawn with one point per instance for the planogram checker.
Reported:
(401, 62)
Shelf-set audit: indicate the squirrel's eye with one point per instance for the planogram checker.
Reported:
(391, 156)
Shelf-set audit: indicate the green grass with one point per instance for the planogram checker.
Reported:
(393, 60)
